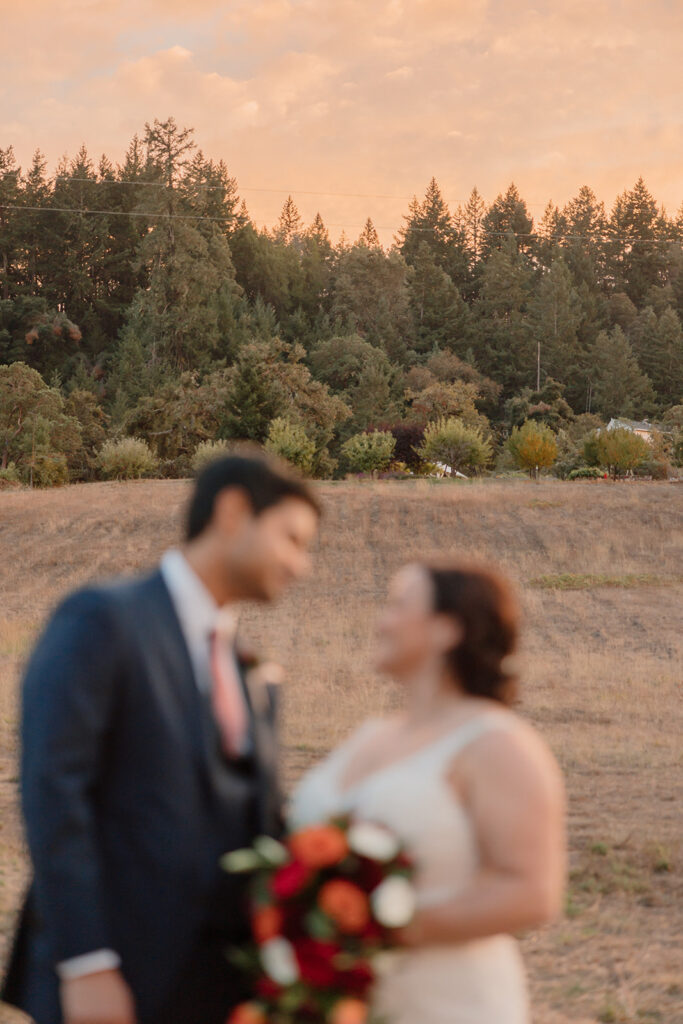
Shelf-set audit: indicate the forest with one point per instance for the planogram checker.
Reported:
(141, 306)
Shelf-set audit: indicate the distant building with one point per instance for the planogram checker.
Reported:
(643, 428)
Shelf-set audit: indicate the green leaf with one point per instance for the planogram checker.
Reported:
(272, 851)
(319, 925)
(293, 998)
(241, 861)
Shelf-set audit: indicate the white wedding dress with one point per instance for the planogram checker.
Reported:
(481, 982)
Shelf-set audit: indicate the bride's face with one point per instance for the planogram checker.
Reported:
(410, 636)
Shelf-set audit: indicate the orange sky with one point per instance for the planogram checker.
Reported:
(361, 96)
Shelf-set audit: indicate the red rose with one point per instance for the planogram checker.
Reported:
(358, 980)
(373, 932)
(267, 988)
(316, 962)
(289, 880)
(370, 874)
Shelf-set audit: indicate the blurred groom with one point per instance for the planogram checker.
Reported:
(148, 750)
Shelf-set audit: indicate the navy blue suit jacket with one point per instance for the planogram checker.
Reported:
(127, 802)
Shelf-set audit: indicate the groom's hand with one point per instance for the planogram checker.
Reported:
(100, 998)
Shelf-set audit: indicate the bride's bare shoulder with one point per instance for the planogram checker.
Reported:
(517, 753)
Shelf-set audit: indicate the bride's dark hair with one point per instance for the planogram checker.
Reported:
(484, 604)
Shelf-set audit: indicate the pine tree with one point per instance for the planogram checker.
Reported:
(663, 359)
(430, 223)
(185, 315)
(618, 385)
(319, 234)
(506, 220)
(35, 257)
(555, 314)
(585, 247)
(9, 222)
(441, 317)
(472, 217)
(503, 343)
(551, 235)
(368, 236)
(636, 252)
(289, 228)
(371, 298)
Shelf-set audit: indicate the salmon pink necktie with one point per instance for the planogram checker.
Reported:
(227, 697)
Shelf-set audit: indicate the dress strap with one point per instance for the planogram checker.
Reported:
(456, 741)
(346, 750)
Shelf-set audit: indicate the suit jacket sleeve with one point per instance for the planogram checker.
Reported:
(69, 699)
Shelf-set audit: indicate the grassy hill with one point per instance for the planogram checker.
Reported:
(599, 570)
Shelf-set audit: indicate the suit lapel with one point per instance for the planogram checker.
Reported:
(196, 710)
(261, 703)
(179, 670)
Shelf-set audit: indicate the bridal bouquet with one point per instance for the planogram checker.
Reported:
(323, 903)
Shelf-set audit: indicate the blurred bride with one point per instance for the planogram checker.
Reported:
(471, 788)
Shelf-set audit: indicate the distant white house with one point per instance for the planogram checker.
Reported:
(643, 428)
(445, 470)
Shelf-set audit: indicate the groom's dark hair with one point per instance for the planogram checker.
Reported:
(264, 481)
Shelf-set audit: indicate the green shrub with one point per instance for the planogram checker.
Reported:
(209, 451)
(48, 471)
(569, 456)
(453, 442)
(9, 477)
(586, 473)
(621, 450)
(591, 452)
(290, 441)
(677, 448)
(368, 453)
(533, 446)
(657, 469)
(127, 459)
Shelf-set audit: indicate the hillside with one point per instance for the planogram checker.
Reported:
(600, 571)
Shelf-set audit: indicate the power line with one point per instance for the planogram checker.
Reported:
(378, 227)
(278, 191)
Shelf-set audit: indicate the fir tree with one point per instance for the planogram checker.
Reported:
(618, 385)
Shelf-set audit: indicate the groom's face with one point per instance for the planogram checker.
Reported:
(270, 551)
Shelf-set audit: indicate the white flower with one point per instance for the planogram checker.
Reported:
(271, 850)
(373, 841)
(278, 960)
(385, 963)
(393, 902)
(238, 861)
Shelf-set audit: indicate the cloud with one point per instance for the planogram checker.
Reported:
(347, 96)
(398, 73)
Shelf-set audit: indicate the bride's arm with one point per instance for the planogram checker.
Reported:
(513, 791)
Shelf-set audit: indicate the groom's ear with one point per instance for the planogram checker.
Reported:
(448, 632)
(230, 510)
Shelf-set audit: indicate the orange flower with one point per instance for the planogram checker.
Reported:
(346, 904)
(266, 924)
(248, 1013)
(320, 846)
(349, 1011)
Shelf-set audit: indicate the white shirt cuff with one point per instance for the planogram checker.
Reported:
(89, 963)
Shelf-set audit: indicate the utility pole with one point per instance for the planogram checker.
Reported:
(538, 366)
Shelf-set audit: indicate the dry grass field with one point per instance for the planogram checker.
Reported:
(600, 573)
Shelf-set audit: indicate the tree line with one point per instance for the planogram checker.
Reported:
(140, 300)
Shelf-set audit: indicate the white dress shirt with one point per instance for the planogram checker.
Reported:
(199, 616)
